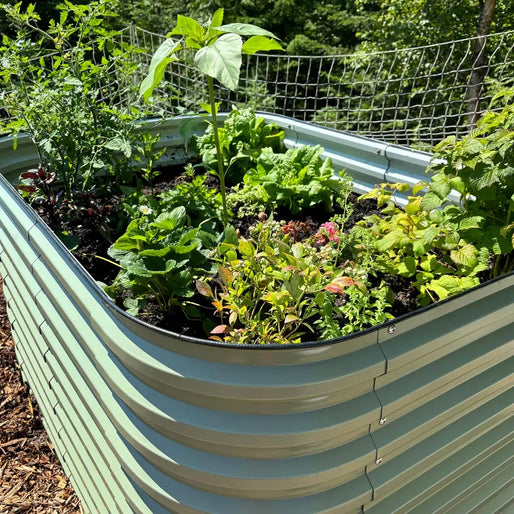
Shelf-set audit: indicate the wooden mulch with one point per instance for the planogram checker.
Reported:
(31, 478)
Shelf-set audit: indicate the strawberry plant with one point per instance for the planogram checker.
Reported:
(160, 257)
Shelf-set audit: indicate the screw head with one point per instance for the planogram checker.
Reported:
(378, 461)
(382, 420)
(391, 329)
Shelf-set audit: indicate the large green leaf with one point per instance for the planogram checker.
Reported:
(120, 144)
(170, 220)
(217, 18)
(160, 60)
(222, 60)
(465, 256)
(188, 27)
(246, 29)
(260, 44)
(431, 201)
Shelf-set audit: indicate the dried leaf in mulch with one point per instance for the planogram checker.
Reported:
(31, 478)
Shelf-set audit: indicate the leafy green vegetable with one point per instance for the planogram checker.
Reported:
(242, 139)
(297, 180)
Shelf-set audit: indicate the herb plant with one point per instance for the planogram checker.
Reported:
(58, 80)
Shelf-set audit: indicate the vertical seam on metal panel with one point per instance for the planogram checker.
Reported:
(388, 166)
(384, 355)
(381, 416)
(370, 484)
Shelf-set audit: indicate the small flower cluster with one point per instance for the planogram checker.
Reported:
(298, 230)
(328, 232)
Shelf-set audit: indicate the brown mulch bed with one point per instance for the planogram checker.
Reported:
(31, 478)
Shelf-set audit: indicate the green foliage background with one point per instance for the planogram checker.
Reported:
(316, 26)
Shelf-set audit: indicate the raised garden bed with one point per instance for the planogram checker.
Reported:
(414, 413)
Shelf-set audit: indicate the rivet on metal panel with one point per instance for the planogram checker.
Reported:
(378, 461)
(379, 151)
(382, 420)
(391, 329)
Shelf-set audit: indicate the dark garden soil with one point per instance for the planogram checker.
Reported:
(96, 221)
(31, 478)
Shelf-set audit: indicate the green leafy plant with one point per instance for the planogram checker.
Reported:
(160, 257)
(297, 179)
(273, 290)
(203, 204)
(218, 49)
(147, 156)
(424, 242)
(56, 84)
(242, 138)
(480, 167)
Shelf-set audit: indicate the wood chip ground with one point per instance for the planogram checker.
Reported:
(31, 478)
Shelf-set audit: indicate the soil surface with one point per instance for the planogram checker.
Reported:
(31, 478)
(99, 221)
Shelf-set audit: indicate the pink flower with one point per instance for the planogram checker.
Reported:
(327, 232)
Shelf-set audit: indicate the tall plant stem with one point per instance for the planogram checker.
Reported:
(221, 171)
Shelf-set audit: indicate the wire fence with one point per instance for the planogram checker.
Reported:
(414, 96)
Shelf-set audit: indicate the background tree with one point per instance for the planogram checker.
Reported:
(389, 24)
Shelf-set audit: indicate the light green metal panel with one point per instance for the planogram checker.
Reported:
(424, 384)
(396, 435)
(438, 484)
(479, 490)
(14, 161)
(437, 331)
(390, 476)
(39, 378)
(186, 425)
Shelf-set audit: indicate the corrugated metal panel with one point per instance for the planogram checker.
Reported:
(413, 414)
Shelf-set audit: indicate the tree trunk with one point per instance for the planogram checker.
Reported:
(478, 71)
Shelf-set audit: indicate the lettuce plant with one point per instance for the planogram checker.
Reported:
(218, 55)
(242, 139)
(297, 180)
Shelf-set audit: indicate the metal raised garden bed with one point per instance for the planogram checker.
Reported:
(414, 415)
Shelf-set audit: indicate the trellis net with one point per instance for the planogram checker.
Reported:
(414, 96)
